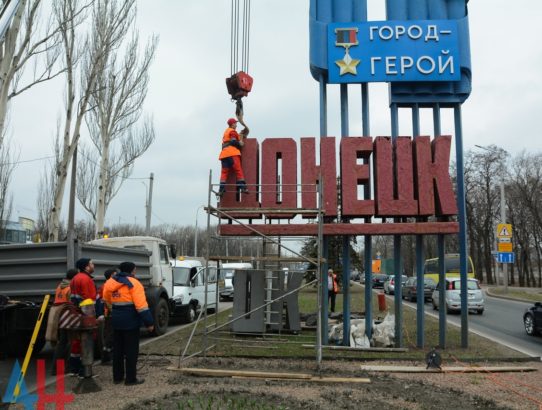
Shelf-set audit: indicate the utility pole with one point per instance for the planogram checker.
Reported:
(149, 206)
(503, 220)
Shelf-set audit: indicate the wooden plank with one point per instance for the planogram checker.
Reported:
(362, 349)
(410, 228)
(245, 373)
(450, 369)
(317, 379)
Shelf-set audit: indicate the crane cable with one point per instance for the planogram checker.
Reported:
(245, 50)
(236, 26)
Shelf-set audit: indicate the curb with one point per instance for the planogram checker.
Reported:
(493, 295)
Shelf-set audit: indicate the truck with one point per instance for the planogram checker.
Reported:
(28, 272)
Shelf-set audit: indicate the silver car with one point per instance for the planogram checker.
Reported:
(389, 285)
(475, 296)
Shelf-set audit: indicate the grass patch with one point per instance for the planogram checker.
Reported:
(534, 295)
(289, 345)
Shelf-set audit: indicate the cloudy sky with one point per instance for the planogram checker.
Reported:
(189, 102)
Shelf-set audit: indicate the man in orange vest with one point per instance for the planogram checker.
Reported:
(125, 297)
(62, 296)
(332, 288)
(230, 157)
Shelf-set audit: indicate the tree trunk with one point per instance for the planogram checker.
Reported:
(102, 188)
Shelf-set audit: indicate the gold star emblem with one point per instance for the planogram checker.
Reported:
(347, 65)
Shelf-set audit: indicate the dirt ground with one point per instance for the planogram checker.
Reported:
(167, 389)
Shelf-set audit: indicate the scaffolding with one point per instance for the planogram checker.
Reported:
(271, 258)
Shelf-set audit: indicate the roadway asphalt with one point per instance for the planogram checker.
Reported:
(502, 322)
(6, 364)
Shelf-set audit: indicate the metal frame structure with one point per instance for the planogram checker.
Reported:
(229, 214)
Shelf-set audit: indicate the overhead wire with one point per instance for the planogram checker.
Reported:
(26, 161)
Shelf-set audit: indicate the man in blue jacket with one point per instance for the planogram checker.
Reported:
(125, 297)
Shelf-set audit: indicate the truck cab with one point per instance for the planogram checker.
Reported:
(159, 281)
(189, 288)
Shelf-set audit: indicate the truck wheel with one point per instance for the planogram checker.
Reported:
(190, 314)
(161, 317)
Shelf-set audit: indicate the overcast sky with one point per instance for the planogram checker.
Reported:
(188, 99)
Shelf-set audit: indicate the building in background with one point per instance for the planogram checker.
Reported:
(17, 232)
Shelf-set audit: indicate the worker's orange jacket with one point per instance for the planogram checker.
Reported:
(230, 144)
(126, 297)
(62, 293)
(335, 284)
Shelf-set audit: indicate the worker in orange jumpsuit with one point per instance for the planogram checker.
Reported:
(62, 296)
(125, 296)
(230, 157)
(82, 287)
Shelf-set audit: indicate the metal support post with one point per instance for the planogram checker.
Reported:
(441, 292)
(368, 287)
(397, 257)
(420, 298)
(207, 256)
(325, 292)
(346, 291)
(441, 244)
(462, 225)
(345, 131)
(320, 275)
(397, 290)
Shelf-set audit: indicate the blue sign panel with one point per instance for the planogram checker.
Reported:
(391, 51)
(506, 257)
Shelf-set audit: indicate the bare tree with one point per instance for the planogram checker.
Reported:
(26, 41)
(46, 187)
(85, 57)
(6, 170)
(119, 138)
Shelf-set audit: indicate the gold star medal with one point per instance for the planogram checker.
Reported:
(347, 65)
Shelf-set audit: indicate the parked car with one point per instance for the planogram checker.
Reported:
(410, 288)
(355, 275)
(453, 296)
(389, 285)
(532, 319)
(379, 279)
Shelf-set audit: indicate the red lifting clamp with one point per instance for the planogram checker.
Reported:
(239, 85)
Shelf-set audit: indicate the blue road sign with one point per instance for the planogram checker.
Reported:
(506, 257)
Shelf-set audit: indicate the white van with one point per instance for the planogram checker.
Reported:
(227, 271)
(189, 288)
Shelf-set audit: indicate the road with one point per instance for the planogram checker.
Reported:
(502, 321)
(6, 365)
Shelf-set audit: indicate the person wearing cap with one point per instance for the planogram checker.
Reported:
(332, 288)
(125, 298)
(230, 158)
(82, 287)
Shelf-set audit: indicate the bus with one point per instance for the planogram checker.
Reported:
(451, 265)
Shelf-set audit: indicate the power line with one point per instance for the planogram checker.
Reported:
(26, 160)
